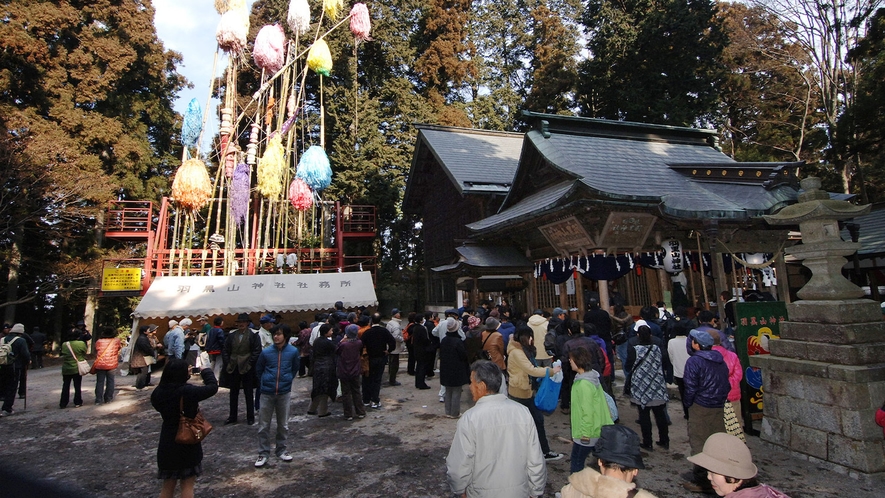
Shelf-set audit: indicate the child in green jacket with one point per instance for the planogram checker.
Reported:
(589, 411)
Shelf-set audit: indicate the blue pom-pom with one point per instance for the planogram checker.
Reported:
(314, 168)
(193, 123)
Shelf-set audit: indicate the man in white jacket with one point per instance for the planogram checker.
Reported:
(495, 452)
(396, 330)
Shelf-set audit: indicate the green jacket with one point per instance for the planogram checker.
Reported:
(589, 411)
(69, 363)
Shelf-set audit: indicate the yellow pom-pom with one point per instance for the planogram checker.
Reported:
(271, 168)
(319, 58)
(222, 6)
(333, 8)
(192, 187)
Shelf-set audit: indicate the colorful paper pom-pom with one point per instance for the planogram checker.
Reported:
(239, 193)
(300, 195)
(270, 48)
(222, 6)
(271, 168)
(193, 123)
(333, 8)
(360, 23)
(299, 16)
(314, 168)
(319, 58)
(232, 30)
(192, 187)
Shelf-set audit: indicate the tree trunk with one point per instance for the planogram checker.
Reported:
(15, 263)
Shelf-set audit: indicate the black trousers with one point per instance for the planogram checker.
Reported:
(660, 412)
(246, 381)
(422, 366)
(372, 383)
(413, 359)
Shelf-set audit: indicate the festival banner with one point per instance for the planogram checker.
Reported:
(758, 323)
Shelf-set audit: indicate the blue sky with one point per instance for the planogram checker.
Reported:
(188, 27)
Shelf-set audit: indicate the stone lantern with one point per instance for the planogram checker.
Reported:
(825, 376)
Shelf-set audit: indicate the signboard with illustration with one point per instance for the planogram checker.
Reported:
(758, 323)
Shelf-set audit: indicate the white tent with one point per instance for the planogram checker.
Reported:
(170, 297)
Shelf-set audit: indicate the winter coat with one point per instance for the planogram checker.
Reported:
(648, 387)
(420, 338)
(538, 325)
(494, 344)
(325, 380)
(166, 399)
(589, 483)
(396, 330)
(520, 368)
(107, 353)
(21, 350)
(454, 368)
(735, 372)
(496, 452)
(215, 340)
(589, 408)
(141, 348)
(601, 321)
(349, 352)
(69, 363)
(706, 380)
(506, 330)
(276, 368)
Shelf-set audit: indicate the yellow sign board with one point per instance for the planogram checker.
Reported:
(121, 279)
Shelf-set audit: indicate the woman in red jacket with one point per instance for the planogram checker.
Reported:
(107, 353)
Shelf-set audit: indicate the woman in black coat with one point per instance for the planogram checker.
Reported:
(179, 462)
(325, 380)
(454, 368)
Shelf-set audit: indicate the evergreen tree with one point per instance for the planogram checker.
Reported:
(554, 48)
(653, 61)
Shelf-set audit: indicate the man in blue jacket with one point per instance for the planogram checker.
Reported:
(706, 391)
(276, 367)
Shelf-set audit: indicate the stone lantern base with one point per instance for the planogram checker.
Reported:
(824, 380)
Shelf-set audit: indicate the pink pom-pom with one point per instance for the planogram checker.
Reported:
(270, 48)
(360, 23)
(300, 195)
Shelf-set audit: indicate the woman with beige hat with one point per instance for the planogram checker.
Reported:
(730, 468)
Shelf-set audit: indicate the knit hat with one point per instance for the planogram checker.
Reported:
(452, 325)
(394, 311)
(173, 323)
(492, 323)
(705, 340)
(17, 329)
(726, 455)
(187, 322)
(473, 322)
(351, 331)
(619, 444)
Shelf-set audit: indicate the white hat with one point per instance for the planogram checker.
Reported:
(186, 322)
(173, 323)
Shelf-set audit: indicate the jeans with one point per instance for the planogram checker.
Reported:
(622, 350)
(104, 386)
(236, 379)
(66, 390)
(452, 399)
(372, 383)
(539, 421)
(352, 397)
(660, 412)
(579, 457)
(273, 404)
(394, 367)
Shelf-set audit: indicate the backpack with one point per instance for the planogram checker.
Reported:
(7, 355)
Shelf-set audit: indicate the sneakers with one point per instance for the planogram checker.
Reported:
(442, 399)
(262, 460)
(376, 405)
(285, 456)
(552, 455)
(348, 419)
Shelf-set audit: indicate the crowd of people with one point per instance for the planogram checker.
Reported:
(500, 447)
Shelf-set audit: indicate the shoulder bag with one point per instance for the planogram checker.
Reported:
(482, 354)
(82, 365)
(191, 430)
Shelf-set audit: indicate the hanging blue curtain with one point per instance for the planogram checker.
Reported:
(596, 267)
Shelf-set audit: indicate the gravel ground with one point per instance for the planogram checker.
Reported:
(399, 450)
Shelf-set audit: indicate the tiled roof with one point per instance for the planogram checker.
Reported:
(872, 231)
(533, 205)
(475, 160)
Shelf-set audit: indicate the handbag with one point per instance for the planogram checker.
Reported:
(191, 430)
(548, 395)
(364, 363)
(82, 365)
(482, 354)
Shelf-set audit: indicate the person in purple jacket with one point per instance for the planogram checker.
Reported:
(706, 392)
(349, 351)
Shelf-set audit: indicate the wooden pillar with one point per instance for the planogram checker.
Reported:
(604, 301)
(563, 296)
(783, 279)
(579, 295)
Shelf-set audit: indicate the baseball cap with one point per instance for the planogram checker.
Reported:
(558, 311)
(704, 339)
(266, 319)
